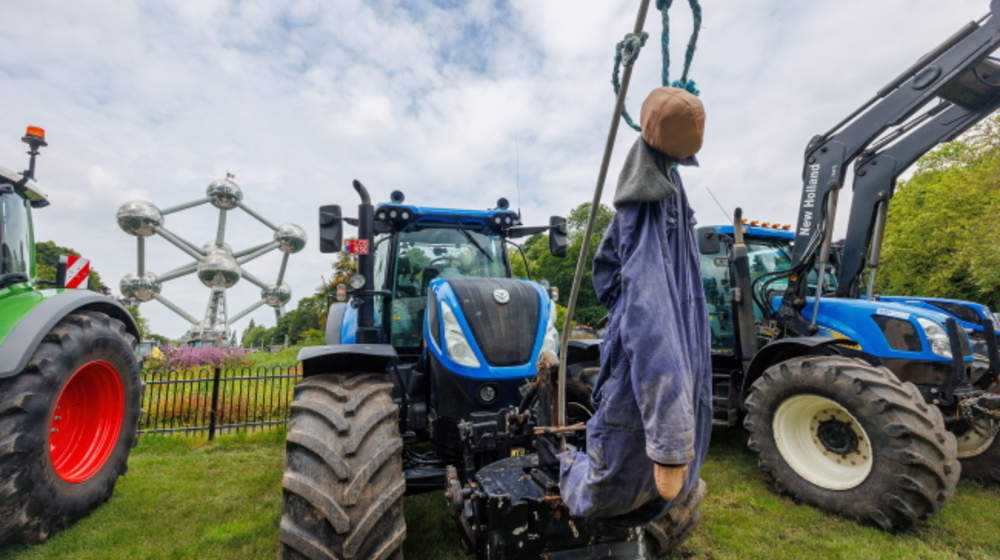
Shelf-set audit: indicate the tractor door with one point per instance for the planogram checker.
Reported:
(16, 242)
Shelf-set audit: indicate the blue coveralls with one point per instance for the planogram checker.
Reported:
(653, 395)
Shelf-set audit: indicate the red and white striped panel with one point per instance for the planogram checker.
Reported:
(77, 271)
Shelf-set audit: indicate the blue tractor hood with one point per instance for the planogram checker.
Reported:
(868, 322)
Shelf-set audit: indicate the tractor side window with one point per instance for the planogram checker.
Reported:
(15, 236)
(767, 256)
(716, 281)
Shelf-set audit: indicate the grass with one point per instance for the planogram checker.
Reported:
(186, 499)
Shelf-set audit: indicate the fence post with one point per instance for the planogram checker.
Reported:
(215, 403)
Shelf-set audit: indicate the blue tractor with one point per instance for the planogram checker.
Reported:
(438, 374)
(867, 407)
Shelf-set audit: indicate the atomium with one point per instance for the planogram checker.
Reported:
(140, 288)
(275, 295)
(219, 269)
(139, 218)
(215, 263)
(291, 238)
(225, 194)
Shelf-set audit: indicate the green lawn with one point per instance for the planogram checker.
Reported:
(189, 499)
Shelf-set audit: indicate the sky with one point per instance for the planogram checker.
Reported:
(455, 103)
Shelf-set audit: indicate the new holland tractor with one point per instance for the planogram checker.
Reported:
(864, 406)
(438, 375)
(69, 381)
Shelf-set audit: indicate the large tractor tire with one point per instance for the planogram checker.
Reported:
(979, 453)
(849, 438)
(67, 424)
(669, 532)
(343, 484)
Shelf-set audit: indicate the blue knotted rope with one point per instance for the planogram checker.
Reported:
(627, 51)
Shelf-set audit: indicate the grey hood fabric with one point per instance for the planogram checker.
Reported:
(644, 177)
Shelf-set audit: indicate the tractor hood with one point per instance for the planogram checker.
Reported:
(968, 314)
(886, 329)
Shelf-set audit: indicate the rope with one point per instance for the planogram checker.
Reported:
(627, 51)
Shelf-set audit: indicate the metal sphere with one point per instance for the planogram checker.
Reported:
(138, 218)
(141, 288)
(211, 246)
(225, 194)
(291, 237)
(219, 268)
(275, 295)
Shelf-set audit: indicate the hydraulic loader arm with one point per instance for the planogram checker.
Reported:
(875, 182)
(949, 72)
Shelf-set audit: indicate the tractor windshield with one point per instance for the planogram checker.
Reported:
(15, 234)
(435, 250)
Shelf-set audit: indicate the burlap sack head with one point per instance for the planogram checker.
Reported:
(673, 122)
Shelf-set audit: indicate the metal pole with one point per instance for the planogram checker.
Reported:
(185, 206)
(246, 311)
(260, 218)
(215, 403)
(175, 309)
(281, 271)
(260, 252)
(140, 251)
(220, 234)
(875, 254)
(254, 280)
(178, 272)
(252, 250)
(598, 192)
(824, 252)
(180, 243)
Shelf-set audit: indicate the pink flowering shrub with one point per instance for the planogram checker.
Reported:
(188, 357)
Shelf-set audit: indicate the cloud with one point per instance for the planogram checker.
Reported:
(154, 100)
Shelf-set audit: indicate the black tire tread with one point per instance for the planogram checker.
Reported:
(343, 488)
(915, 470)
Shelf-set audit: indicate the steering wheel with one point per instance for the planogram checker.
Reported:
(445, 261)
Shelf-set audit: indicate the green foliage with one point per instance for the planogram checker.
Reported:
(309, 315)
(312, 337)
(141, 322)
(559, 272)
(47, 263)
(942, 236)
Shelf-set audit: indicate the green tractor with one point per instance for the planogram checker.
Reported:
(69, 381)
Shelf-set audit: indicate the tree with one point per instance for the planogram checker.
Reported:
(140, 321)
(47, 255)
(942, 236)
(559, 272)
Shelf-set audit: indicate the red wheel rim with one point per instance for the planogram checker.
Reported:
(86, 422)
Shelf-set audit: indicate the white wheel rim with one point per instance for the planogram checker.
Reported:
(802, 424)
(971, 443)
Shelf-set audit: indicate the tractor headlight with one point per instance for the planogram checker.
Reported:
(551, 341)
(458, 346)
(937, 336)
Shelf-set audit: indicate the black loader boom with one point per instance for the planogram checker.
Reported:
(956, 74)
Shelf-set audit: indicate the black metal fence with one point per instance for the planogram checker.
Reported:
(217, 400)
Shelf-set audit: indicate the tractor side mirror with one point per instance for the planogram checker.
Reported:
(557, 236)
(708, 241)
(331, 229)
